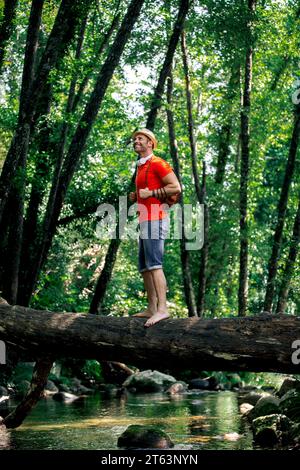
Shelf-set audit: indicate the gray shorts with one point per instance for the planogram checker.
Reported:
(151, 243)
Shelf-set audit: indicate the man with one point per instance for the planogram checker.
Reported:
(155, 180)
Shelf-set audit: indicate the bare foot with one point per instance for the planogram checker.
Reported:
(144, 314)
(156, 318)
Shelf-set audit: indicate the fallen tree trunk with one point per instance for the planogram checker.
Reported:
(261, 343)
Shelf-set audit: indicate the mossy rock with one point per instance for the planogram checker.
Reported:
(290, 405)
(271, 430)
(295, 433)
(148, 381)
(290, 383)
(265, 406)
(252, 397)
(144, 437)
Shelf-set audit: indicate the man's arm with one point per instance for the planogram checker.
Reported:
(170, 186)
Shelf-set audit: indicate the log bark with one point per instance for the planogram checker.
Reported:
(260, 343)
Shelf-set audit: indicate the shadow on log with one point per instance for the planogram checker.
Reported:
(263, 343)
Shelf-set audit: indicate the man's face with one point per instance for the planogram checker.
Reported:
(141, 143)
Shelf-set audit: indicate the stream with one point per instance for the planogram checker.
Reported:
(200, 421)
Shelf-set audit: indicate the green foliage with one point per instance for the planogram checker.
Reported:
(92, 370)
(217, 38)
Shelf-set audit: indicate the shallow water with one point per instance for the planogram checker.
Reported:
(205, 420)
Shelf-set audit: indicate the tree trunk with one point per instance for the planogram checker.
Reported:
(9, 14)
(104, 43)
(19, 181)
(204, 251)
(185, 258)
(200, 188)
(290, 265)
(260, 343)
(39, 379)
(282, 205)
(191, 125)
(79, 140)
(245, 137)
(41, 177)
(105, 276)
(158, 93)
(13, 251)
(226, 129)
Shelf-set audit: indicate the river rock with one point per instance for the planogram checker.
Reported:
(64, 388)
(65, 397)
(290, 405)
(177, 388)
(144, 437)
(295, 433)
(271, 430)
(290, 383)
(148, 381)
(51, 387)
(3, 391)
(77, 387)
(208, 383)
(245, 408)
(109, 390)
(267, 405)
(252, 397)
(4, 436)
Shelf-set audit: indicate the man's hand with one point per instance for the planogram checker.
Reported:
(144, 193)
(132, 197)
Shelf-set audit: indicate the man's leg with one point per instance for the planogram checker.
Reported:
(151, 295)
(160, 285)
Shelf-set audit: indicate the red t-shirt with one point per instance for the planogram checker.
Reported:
(150, 208)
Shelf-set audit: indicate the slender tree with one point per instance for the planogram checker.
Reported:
(6, 27)
(226, 129)
(17, 202)
(245, 166)
(281, 212)
(200, 187)
(205, 248)
(185, 258)
(191, 125)
(289, 265)
(43, 169)
(158, 92)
